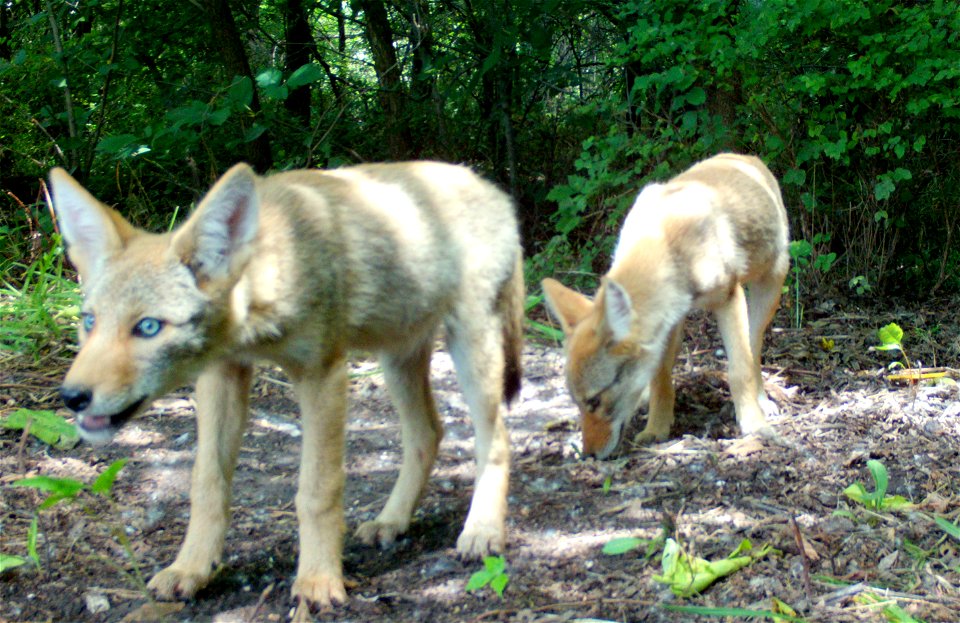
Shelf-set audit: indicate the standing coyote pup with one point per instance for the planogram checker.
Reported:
(691, 243)
(297, 268)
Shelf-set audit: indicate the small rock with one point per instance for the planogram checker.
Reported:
(96, 602)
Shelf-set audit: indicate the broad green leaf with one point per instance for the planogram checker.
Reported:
(57, 486)
(253, 133)
(114, 144)
(8, 561)
(495, 564)
(478, 580)
(46, 426)
(240, 93)
(622, 545)
(696, 96)
(891, 335)
(269, 77)
(104, 482)
(499, 583)
(305, 74)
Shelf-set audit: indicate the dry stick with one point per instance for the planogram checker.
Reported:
(263, 598)
(808, 589)
(21, 462)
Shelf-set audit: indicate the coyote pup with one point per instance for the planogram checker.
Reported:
(297, 268)
(693, 242)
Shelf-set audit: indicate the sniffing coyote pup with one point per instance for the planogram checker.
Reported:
(691, 243)
(297, 268)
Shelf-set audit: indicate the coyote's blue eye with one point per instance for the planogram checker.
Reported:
(148, 327)
(88, 321)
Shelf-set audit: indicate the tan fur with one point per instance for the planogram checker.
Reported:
(691, 243)
(299, 268)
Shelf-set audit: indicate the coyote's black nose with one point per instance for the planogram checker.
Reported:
(76, 398)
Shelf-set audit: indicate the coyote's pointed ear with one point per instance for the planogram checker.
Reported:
(217, 240)
(92, 231)
(617, 310)
(568, 306)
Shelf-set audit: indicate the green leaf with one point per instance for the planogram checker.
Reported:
(240, 93)
(8, 561)
(696, 96)
(114, 144)
(499, 583)
(795, 177)
(495, 564)
(622, 545)
(879, 473)
(46, 426)
(269, 77)
(253, 133)
(306, 74)
(950, 528)
(891, 337)
(32, 542)
(104, 482)
(478, 580)
(57, 486)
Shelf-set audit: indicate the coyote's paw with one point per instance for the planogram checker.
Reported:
(175, 583)
(479, 541)
(377, 532)
(649, 436)
(320, 589)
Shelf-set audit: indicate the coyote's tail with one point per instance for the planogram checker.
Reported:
(510, 308)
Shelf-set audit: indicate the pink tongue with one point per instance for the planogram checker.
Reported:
(95, 422)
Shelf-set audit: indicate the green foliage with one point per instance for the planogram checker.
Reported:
(9, 561)
(493, 574)
(688, 575)
(616, 547)
(38, 311)
(46, 426)
(572, 106)
(877, 500)
(68, 489)
(950, 528)
(891, 611)
(891, 337)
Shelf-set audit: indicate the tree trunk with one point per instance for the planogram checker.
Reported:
(299, 45)
(391, 96)
(224, 34)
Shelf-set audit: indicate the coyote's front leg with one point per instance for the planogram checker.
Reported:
(222, 395)
(322, 394)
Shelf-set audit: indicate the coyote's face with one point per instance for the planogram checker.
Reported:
(609, 366)
(142, 333)
(149, 316)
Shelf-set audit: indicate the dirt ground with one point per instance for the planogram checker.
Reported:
(705, 486)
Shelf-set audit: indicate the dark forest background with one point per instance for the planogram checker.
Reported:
(570, 105)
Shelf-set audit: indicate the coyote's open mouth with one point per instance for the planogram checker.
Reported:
(100, 423)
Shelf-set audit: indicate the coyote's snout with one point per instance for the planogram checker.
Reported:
(691, 243)
(298, 268)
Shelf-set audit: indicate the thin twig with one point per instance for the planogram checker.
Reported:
(807, 587)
